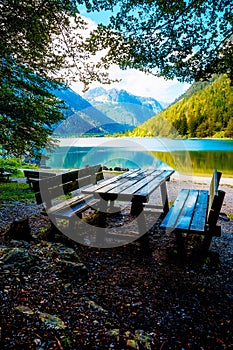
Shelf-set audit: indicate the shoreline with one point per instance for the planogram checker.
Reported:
(225, 180)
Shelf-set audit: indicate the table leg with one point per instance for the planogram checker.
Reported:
(164, 196)
(102, 208)
(136, 207)
(137, 210)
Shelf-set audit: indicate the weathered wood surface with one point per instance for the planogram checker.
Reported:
(34, 175)
(134, 184)
(52, 191)
(196, 211)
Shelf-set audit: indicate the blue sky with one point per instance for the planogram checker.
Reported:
(135, 82)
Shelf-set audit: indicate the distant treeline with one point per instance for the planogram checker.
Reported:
(205, 110)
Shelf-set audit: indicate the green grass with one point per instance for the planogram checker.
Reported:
(15, 191)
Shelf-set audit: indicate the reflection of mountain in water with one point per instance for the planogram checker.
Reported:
(194, 157)
(74, 157)
(198, 162)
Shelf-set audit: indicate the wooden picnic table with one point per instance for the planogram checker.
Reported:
(135, 186)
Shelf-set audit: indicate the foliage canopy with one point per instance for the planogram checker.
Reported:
(36, 54)
(46, 42)
(186, 39)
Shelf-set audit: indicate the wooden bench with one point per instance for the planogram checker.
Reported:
(34, 175)
(4, 175)
(196, 212)
(53, 191)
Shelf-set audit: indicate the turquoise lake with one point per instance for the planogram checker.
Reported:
(190, 156)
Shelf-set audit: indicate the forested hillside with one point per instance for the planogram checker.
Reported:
(205, 110)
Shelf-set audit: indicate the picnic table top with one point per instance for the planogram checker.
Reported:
(135, 183)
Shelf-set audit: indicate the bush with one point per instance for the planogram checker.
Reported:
(13, 165)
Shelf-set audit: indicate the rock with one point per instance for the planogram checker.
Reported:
(18, 257)
(74, 270)
(24, 310)
(19, 230)
(51, 321)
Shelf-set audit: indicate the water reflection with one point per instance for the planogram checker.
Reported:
(200, 157)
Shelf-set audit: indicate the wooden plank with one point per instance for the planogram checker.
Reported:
(69, 176)
(200, 213)
(116, 185)
(61, 184)
(69, 203)
(91, 170)
(140, 181)
(173, 214)
(115, 180)
(116, 190)
(36, 174)
(68, 213)
(213, 191)
(215, 209)
(186, 214)
(164, 196)
(155, 183)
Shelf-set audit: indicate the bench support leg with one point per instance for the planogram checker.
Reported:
(164, 196)
(180, 243)
(206, 243)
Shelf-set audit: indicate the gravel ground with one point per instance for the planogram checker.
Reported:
(130, 300)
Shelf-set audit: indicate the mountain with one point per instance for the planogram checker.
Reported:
(123, 107)
(205, 110)
(82, 118)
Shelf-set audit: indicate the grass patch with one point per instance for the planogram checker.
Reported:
(16, 191)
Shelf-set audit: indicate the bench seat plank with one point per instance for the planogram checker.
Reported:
(186, 214)
(196, 212)
(200, 214)
(69, 211)
(173, 214)
(69, 203)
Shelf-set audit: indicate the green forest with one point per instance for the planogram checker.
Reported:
(205, 110)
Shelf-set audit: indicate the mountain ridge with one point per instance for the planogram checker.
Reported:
(83, 118)
(123, 107)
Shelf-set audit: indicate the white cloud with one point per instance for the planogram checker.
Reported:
(141, 84)
(136, 82)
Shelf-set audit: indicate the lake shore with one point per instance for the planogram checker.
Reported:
(201, 179)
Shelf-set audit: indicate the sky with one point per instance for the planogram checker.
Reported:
(132, 80)
(140, 84)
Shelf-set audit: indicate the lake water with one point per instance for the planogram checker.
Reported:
(191, 156)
